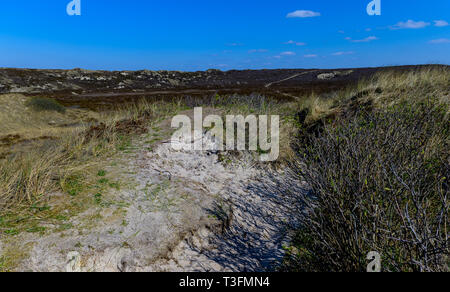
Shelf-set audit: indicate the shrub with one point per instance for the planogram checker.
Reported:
(45, 104)
(380, 182)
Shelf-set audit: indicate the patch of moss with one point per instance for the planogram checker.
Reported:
(45, 104)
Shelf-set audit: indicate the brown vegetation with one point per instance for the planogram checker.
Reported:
(378, 166)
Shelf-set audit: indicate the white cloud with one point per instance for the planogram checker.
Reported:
(257, 51)
(234, 45)
(311, 56)
(440, 23)
(343, 53)
(295, 43)
(287, 54)
(365, 40)
(303, 14)
(283, 54)
(410, 24)
(440, 41)
(218, 65)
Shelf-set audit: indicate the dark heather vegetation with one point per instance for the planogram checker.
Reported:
(378, 167)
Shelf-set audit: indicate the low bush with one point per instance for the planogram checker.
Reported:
(379, 182)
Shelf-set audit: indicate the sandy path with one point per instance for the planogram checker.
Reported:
(289, 78)
(187, 212)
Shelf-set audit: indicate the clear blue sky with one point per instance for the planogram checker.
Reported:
(232, 34)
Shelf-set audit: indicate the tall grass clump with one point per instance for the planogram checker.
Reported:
(24, 178)
(28, 178)
(379, 182)
(382, 90)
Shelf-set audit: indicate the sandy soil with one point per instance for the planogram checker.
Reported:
(186, 211)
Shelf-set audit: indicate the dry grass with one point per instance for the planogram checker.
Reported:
(36, 169)
(28, 178)
(385, 89)
(258, 105)
(47, 183)
(42, 104)
(19, 119)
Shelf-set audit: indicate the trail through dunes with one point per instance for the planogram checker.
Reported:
(183, 211)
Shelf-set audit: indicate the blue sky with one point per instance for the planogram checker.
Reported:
(246, 34)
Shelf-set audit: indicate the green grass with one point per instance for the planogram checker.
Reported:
(98, 198)
(12, 231)
(124, 143)
(36, 229)
(3, 265)
(103, 181)
(73, 185)
(64, 227)
(101, 173)
(45, 104)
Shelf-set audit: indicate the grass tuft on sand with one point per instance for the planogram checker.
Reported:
(35, 170)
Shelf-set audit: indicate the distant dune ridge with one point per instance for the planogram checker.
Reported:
(88, 81)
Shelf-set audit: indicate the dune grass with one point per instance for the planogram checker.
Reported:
(383, 90)
(50, 183)
(30, 178)
(255, 104)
